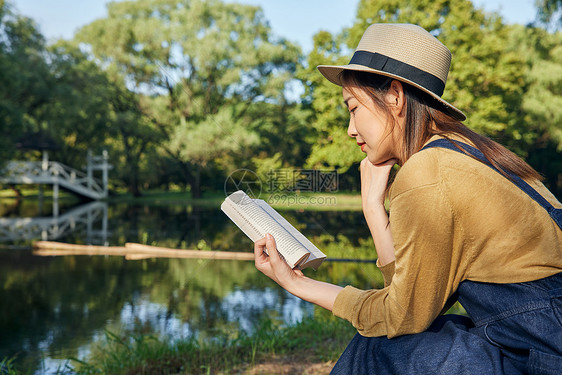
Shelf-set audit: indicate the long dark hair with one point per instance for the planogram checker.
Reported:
(426, 117)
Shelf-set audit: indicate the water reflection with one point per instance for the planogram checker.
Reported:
(82, 218)
(144, 313)
(242, 306)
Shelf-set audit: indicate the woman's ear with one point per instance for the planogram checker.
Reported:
(395, 97)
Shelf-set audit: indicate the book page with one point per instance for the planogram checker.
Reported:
(256, 222)
(315, 253)
(247, 227)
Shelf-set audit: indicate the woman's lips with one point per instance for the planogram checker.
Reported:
(362, 145)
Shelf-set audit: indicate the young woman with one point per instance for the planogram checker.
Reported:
(469, 221)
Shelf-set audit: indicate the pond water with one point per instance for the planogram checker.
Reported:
(55, 308)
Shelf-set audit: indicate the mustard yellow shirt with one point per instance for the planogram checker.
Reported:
(452, 219)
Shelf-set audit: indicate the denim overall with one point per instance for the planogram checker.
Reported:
(511, 328)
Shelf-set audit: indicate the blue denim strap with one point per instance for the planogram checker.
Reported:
(555, 213)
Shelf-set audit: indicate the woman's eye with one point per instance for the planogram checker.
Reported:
(352, 110)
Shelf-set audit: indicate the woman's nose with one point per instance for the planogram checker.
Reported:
(351, 131)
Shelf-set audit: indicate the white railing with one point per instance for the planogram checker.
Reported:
(51, 172)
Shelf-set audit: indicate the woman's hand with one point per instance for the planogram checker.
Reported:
(374, 180)
(272, 265)
(318, 292)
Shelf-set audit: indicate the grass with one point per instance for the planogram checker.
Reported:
(7, 367)
(32, 191)
(311, 346)
(287, 201)
(282, 200)
(156, 197)
(271, 349)
(315, 201)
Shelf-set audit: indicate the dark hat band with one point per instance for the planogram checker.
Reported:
(398, 68)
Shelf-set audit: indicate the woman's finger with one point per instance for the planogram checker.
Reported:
(271, 247)
(259, 253)
(259, 246)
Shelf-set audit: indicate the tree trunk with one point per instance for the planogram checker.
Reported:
(134, 189)
(190, 179)
(196, 185)
(134, 180)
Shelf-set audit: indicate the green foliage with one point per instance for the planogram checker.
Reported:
(331, 147)
(132, 136)
(550, 11)
(200, 65)
(24, 86)
(223, 130)
(60, 92)
(79, 94)
(361, 275)
(108, 113)
(542, 100)
(537, 133)
(284, 130)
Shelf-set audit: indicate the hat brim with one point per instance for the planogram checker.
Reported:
(333, 74)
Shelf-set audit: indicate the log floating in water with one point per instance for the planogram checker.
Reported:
(138, 248)
(133, 251)
(137, 251)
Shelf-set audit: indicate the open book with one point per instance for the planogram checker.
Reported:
(256, 218)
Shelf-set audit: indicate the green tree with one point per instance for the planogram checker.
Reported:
(549, 11)
(331, 148)
(543, 99)
(24, 87)
(88, 110)
(132, 136)
(77, 113)
(200, 65)
(538, 132)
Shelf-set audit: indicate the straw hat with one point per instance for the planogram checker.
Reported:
(405, 52)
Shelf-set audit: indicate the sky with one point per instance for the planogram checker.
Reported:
(295, 20)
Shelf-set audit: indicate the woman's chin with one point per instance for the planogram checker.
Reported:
(373, 159)
(380, 160)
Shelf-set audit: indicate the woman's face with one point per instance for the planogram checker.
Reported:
(368, 125)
